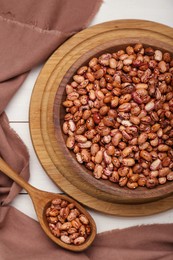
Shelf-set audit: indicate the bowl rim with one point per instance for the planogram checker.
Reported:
(106, 186)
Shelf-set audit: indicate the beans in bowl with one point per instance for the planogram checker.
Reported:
(119, 120)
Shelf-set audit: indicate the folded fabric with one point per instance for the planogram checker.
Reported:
(22, 238)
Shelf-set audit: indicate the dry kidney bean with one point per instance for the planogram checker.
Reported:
(119, 119)
(67, 223)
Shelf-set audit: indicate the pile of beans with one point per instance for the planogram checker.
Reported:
(67, 222)
(119, 119)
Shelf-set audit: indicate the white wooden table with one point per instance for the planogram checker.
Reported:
(18, 112)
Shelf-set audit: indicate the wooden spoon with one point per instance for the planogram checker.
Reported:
(42, 200)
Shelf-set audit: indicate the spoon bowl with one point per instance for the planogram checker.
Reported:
(42, 200)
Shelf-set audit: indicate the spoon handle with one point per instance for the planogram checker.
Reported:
(7, 170)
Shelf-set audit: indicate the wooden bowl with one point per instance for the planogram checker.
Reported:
(46, 118)
(105, 43)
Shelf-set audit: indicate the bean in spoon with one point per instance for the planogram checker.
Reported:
(42, 200)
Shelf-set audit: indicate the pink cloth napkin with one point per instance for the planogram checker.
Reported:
(30, 30)
(22, 238)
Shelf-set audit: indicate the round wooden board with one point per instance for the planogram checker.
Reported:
(41, 111)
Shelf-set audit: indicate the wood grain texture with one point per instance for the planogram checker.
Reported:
(46, 118)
